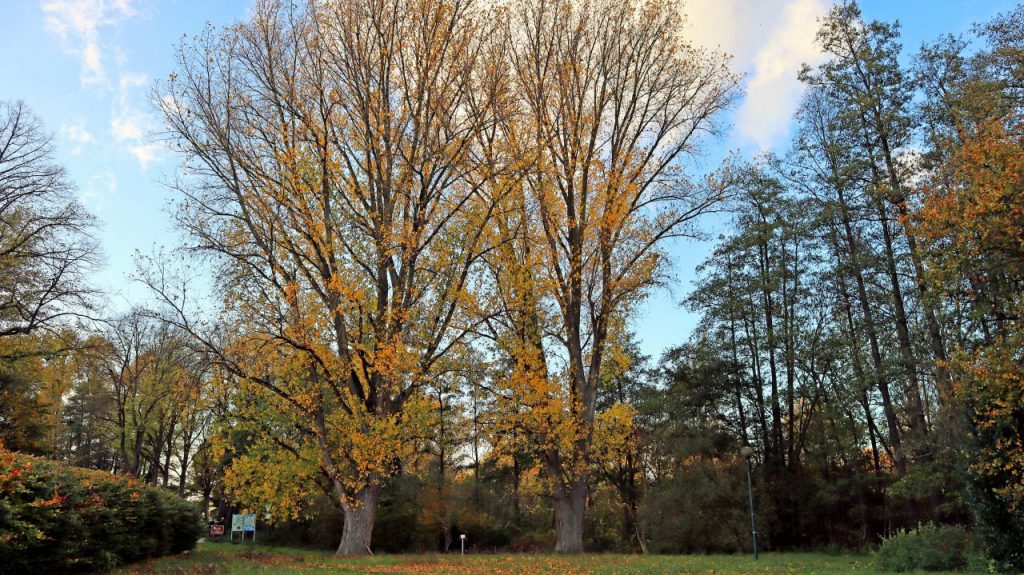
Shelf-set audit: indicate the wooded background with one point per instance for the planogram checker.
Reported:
(428, 225)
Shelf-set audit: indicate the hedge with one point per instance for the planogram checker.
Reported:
(73, 520)
(928, 547)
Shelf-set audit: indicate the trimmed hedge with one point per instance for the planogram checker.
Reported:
(73, 520)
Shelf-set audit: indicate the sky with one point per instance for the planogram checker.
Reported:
(87, 69)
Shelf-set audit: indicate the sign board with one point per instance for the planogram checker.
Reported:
(243, 523)
(216, 530)
(249, 522)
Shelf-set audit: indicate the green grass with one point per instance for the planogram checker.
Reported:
(227, 559)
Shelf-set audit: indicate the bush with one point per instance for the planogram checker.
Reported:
(1000, 522)
(68, 519)
(927, 548)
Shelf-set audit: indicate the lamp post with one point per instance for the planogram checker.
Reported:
(747, 452)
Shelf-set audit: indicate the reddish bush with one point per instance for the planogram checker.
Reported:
(69, 519)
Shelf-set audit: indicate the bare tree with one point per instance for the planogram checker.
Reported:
(47, 248)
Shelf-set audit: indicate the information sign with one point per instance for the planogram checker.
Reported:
(243, 523)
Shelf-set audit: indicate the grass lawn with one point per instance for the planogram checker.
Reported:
(227, 559)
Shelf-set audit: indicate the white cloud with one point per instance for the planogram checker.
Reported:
(738, 27)
(132, 80)
(77, 135)
(774, 91)
(769, 40)
(146, 153)
(130, 125)
(127, 121)
(79, 23)
(124, 126)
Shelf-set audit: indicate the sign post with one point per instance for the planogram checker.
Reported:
(462, 542)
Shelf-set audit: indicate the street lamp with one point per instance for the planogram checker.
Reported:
(747, 452)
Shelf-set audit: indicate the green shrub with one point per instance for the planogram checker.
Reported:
(927, 548)
(68, 519)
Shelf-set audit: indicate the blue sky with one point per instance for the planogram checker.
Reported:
(87, 67)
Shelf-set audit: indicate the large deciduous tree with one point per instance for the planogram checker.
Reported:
(973, 225)
(339, 158)
(612, 101)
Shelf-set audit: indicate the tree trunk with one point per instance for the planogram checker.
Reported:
(918, 425)
(750, 325)
(789, 298)
(570, 508)
(168, 455)
(938, 346)
(777, 448)
(360, 514)
(881, 383)
(207, 494)
(516, 479)
(858, 368)
(183, 472)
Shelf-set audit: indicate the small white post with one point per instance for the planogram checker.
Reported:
(462, 542)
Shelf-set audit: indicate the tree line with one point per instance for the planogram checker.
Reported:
(429, 225)
(857, 305)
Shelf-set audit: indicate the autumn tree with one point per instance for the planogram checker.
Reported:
(971, 217)
(138, 390)
(974, 228)
(339, 157)
(37, 372)
(46, 253)
(613, 102)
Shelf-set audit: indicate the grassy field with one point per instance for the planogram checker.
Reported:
(226, 559)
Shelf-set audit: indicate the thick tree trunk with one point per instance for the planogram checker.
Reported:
(168, 455)
(360, 515)
(516, 480)
(570, 509)
(207, 494)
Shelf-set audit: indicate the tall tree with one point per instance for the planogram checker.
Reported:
(863, 74)
(340, 157)
(614, 101)
(970, 218)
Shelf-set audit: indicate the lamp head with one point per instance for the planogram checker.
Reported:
(746, 451)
